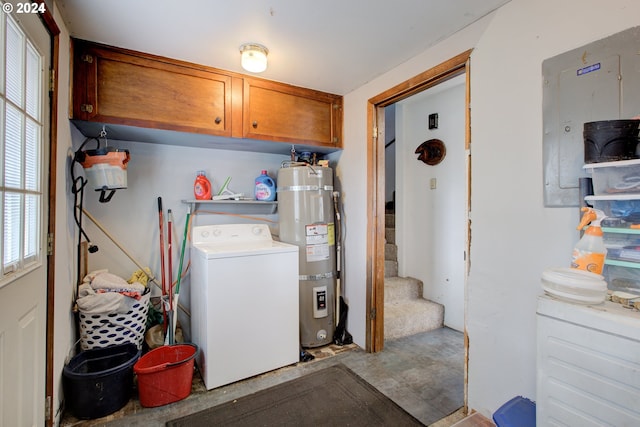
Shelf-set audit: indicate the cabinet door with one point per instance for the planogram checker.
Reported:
(117, 86)
(280, 112)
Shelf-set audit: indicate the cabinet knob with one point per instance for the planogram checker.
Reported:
(254, 124)
(218, 120)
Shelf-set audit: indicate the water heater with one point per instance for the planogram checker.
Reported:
(305, 208)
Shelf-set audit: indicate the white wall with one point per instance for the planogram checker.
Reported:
(431, 223)
(513, 237)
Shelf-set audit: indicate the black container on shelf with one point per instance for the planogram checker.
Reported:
(611, 140)
(99, 381)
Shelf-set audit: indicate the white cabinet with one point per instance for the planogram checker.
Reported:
(588, 364)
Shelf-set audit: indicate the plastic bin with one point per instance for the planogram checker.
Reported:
(98, 382)
(106, 168)
(518, 412)
(165, 374)
(622, 278)
(621, 177)
(625, 207)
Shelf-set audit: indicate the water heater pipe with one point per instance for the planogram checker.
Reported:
(336, 211)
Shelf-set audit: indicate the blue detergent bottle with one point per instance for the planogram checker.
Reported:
(265, 188)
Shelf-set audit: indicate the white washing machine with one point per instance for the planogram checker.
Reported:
(244, 302)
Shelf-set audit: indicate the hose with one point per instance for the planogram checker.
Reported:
(77, 188)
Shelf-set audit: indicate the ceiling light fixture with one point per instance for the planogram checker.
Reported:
(254, 57)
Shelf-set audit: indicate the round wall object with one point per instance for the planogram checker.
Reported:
(431, 152)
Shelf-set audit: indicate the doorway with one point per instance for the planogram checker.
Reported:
(426, 209)
(376, 185)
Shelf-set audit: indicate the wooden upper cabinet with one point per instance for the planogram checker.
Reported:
(138, 90)
(281, 112)
(117, 86)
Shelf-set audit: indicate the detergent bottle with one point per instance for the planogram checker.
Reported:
(589, 252)
(202, 187)
(265, 188)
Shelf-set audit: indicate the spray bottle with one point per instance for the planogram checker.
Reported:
(589, 252)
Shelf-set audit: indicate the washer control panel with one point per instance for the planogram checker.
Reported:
(225, 234)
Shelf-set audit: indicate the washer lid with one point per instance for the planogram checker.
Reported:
(232, 240)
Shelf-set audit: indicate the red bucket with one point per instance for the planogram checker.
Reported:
(165, 374)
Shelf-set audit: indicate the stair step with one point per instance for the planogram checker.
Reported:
(411, 317)
(390, 268)
(390, 252)
(402, 288)
(389, 220)
(390, 235)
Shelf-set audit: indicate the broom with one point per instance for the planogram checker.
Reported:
(177, 293)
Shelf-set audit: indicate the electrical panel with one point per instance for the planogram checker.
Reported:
(599, 81)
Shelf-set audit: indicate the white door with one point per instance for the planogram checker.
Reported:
(24, 142)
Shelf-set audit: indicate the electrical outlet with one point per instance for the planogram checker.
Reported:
(433, 184)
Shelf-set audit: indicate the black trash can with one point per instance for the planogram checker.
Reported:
(611, 140)
(98, 382)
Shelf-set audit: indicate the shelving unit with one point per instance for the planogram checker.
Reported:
(615, 186)
(250, 207)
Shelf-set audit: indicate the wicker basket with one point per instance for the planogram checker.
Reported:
(105, 330)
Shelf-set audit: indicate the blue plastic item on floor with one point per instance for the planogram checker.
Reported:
(518, 412)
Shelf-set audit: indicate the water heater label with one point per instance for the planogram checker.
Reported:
(317, 252)
(317, 230)
(317, 239)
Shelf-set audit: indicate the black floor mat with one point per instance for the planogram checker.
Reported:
(333, 396)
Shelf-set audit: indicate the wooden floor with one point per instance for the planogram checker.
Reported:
(474, 420)
(422, 373)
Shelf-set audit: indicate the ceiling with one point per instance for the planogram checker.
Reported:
(330, 45)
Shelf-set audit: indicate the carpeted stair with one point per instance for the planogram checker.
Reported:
(405, 311)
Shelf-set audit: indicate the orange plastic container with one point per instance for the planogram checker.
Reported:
(106, 168)
(165, 374)
(202, 187)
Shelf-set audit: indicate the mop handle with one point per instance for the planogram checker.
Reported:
(170, 256)
(161, 227)
(184, 244)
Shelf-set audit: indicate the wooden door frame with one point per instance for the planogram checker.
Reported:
(49, 23)
(376, 189)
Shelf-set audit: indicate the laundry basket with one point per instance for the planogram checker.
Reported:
(105, 330)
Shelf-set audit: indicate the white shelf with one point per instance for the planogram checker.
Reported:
(620, 230)
(614, 164)
(621, 263)
(255, 207)
(614, 197)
